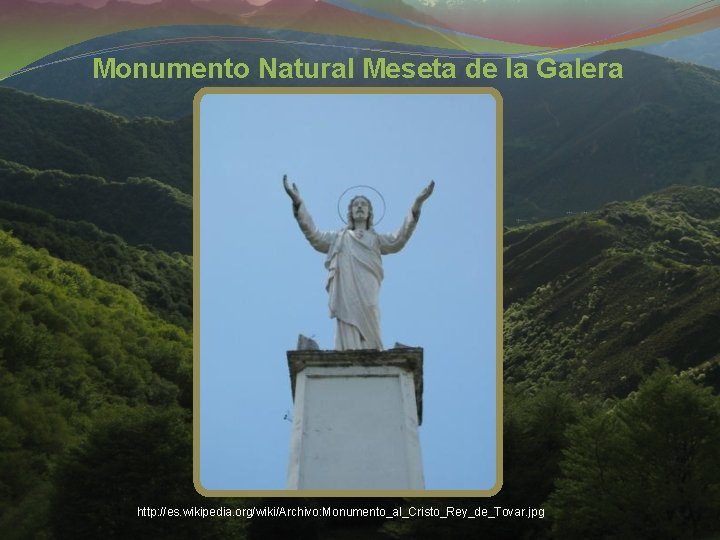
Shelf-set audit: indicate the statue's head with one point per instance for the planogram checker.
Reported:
(360, 208)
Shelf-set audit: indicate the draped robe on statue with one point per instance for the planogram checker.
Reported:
(354, 276)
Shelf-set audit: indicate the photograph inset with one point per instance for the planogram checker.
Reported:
(266, 303)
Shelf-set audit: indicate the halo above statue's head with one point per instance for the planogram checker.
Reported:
(370, 193)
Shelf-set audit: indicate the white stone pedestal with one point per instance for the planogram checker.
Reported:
(355, 421)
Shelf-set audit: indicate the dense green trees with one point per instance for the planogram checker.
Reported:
(647, 467)
(72, 347)
(132, 458)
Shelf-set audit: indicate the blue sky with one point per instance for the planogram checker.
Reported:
(261, 283)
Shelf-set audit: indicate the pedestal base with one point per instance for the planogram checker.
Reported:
(355, 421)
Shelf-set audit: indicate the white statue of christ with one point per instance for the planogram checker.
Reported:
(354, 265)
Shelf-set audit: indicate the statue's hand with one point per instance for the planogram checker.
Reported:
(424, 194)
(292, 191)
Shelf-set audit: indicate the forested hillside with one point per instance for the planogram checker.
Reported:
(599, 300)
(77, 355)
(50, 134)
(161, 280)
(95, 348)
(573, 145)
(140, 210)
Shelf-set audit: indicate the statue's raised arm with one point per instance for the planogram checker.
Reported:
(394, 242)
(321, 241)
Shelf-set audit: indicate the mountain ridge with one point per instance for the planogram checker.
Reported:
(140, 210)
(599, 300)
(580, 144)
(46, 133)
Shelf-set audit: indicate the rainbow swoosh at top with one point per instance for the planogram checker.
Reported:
(30, 30)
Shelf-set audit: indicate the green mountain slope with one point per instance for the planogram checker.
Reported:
(87, 338)
(140, 210)
(162, 281)
(50, 134)
(572, 145)
(73, 346)
(600, 300)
